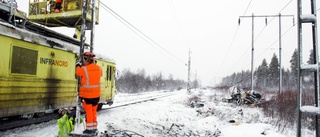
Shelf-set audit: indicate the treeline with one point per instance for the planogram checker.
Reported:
(267, 75)
(133, 82)
(281, 106)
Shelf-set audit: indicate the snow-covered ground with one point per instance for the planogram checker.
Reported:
(172, 116)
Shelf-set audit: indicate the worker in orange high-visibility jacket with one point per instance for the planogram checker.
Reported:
(89, 93)
(58, 6)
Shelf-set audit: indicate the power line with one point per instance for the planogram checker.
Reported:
(259, 54)
(271, 21)
(233, 38)
(117, 17)
(273, 17)
(265, 27)
(124, 21)
(181, 29)
(234, 66)
(285, 6)
(275, 42)
(270, 45)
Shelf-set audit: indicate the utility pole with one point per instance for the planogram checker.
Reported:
(189, 64)
(196, 80)
(252, 51)
(252, 46)
(93, 22)
(82, 43)
(280, 65)
(280, 49)
(308, 18)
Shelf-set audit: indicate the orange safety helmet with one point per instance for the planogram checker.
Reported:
(88, 56)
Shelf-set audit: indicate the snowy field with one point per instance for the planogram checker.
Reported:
(173, 116)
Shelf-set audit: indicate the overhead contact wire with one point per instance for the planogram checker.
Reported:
(234, 36)
(142, 33)
(269, 23)
(264, 29)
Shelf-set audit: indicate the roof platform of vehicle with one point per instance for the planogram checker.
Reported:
(70, 14)
(9, 11)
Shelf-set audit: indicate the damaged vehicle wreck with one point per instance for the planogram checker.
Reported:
(241, 97)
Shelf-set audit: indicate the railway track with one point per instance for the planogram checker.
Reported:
(137, 99)
(8, 124)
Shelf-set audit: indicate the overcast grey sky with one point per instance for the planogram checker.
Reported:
(209, 28)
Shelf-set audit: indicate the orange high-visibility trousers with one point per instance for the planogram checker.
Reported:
(91, 114)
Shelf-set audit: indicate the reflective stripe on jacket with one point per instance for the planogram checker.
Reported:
(65, 126)
(90, 80)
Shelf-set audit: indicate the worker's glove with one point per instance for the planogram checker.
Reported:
(72, 118)
(78, 63)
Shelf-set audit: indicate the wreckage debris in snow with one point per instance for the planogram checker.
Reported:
(196, 104)
(240, 97)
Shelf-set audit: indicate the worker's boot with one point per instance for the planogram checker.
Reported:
(88, 131)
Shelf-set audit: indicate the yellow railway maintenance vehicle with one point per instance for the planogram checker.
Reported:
(70, 14)
(37, 69)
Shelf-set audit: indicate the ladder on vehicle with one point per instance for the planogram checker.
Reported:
(10, 13)
(304, 19)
